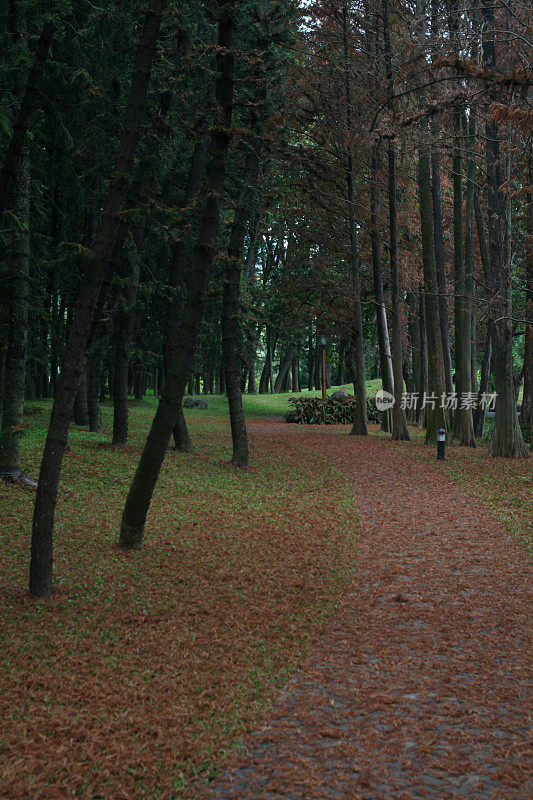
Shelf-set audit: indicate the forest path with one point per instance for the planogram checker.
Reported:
(418, 687)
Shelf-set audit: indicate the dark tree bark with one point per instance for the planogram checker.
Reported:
(124, 333)
(439, 259)
(95, 271)
(18, 291)
(231, 338)
(399, 423)
(465, 422)
(424, 369)
(15, 364)
(147, 473)
(527, 396)
(385, 358)
(481, 411)
(178, 279)
(284, 367)
(10, 167)
(507, 437)
(356, 354)
(81, 404)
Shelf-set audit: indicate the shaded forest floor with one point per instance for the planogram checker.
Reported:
(145, 669)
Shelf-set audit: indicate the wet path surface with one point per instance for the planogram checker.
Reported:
(420, 686)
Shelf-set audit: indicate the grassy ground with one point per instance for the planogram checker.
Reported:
(143, 668)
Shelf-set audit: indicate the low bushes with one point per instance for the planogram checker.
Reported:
(315, 411)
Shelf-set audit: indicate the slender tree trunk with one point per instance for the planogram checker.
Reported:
(439, 258)
(96, 266)
(424, 369)
(124, 335)
(81, 403)
(10, 174)
(465, 427)
(284, 367)
(480, 411)
(357, 354)
(231, 338)
(507, 437)
(527, 396)
(19, 274)
(385, 358)
(15, 365)
(177, 282)
(147, 473)
(399, 423)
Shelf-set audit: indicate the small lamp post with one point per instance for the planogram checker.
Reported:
(323, 342)
(441, 444)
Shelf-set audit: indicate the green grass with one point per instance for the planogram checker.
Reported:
(262, 405)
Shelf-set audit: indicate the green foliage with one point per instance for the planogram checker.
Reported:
(315, 411)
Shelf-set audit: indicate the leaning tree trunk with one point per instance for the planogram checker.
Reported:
(507, 437)
(178, 280)
(284, 367)
(90, 285)
(385, 358)
(147, 473)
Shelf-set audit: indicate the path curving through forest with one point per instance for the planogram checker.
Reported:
(419, 687)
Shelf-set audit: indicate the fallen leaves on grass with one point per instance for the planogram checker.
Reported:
(144, 668)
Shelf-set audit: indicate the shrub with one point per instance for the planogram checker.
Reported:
(315, 411)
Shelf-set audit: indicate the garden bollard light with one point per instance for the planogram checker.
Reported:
(323, 342)
(441, 444)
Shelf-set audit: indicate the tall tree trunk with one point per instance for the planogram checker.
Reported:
(424, 369)
(81, 403)
(178, 280)
(124, 333)
(439, 258)
(10, 174)
(527, 397)
(465, 426)
(19, 274)
(147, 473)
(15, 365)
(231, 337)
(284, 367)
(436, 414)
(385, 358)
(95, 271)
(399, 423)
(481, 410)
(357, 354)
(507, 437)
